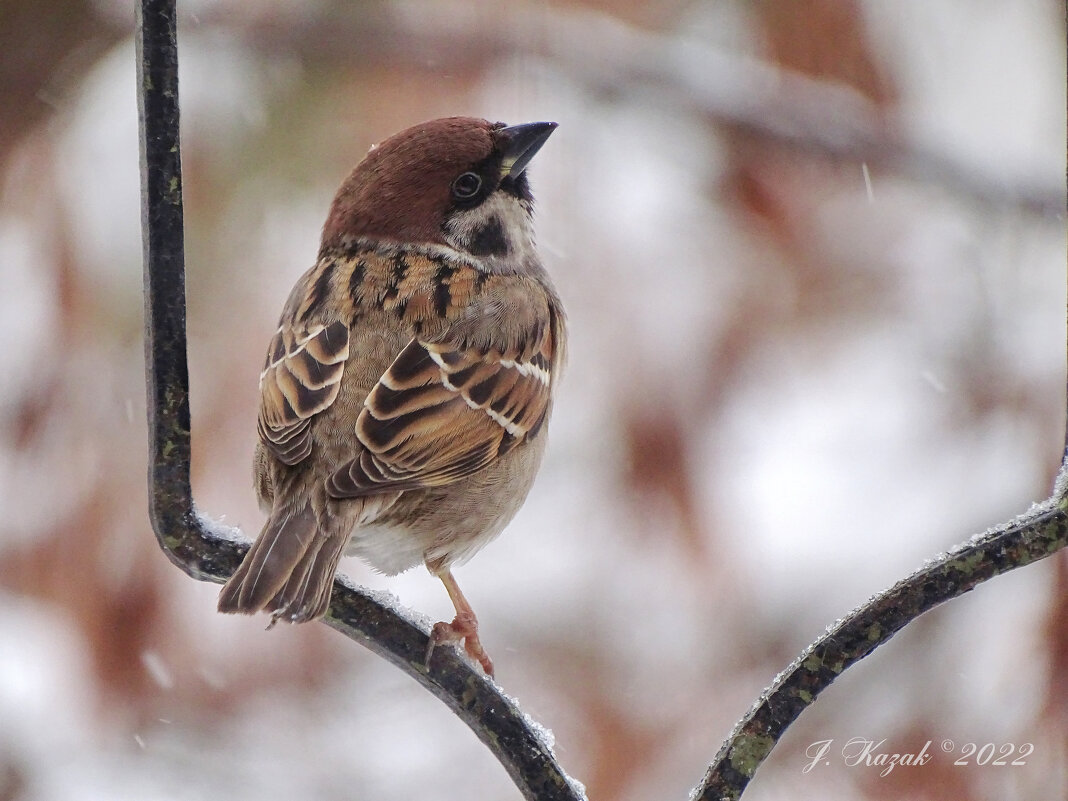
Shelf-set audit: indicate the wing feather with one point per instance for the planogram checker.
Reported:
(444, 410)
(301, 378)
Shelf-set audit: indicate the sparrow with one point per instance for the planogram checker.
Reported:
(405, 394)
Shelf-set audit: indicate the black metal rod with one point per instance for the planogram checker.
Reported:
(1041, 533)
(164, 259)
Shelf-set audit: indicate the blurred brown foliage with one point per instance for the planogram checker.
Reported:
(643, 648)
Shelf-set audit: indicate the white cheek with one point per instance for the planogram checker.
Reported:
(514, 220)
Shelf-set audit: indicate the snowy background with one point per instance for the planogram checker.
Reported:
(813, 254)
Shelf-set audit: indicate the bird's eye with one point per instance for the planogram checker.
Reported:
(466, 186)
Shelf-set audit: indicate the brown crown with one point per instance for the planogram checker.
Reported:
(400, 191)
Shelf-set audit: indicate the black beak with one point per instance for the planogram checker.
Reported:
(520, 143)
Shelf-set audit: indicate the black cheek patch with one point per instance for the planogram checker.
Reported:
(489, 239)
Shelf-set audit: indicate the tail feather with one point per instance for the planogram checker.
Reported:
(286, 538)
(306, 595)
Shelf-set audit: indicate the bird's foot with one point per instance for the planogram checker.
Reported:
(464, 627)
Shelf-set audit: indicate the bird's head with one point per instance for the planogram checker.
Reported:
(458, 181)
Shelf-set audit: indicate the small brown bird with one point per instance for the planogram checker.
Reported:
(405, 395)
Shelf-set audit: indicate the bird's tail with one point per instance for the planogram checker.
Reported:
(289, 570)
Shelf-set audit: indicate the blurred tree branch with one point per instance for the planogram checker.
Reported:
(34, 79)
(759, 100)
(206, 551)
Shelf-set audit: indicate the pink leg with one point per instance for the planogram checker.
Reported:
(464, 627)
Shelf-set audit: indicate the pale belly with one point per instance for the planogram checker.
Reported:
(443, 526)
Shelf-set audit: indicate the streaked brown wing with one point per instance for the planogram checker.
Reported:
(442, 411)
(301, 377)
